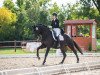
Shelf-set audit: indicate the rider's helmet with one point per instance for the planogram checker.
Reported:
(54, 14)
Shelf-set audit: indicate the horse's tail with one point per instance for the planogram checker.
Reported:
(78, 48)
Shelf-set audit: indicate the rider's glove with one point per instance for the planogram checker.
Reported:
(50, 27)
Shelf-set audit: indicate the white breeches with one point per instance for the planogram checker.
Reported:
(57, 31)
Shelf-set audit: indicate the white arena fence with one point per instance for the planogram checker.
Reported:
(66, 69)
(31, 46)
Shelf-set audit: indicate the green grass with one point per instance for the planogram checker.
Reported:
(12, 51)
(98, 46)
(98, 40)
(21, 51)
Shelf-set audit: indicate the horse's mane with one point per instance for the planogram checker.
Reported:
(43, 26)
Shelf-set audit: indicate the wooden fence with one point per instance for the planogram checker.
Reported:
(14, 44)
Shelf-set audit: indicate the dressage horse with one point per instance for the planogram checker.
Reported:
(48, 42)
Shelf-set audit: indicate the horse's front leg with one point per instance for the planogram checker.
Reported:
(46, 54)
(40, 47)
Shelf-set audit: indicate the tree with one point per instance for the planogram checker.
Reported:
(30, 12)
(97, 4)
(89, 3)
(54, 8)
(9, 4)
(7, 19)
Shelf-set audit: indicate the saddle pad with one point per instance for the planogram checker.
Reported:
(61, 38)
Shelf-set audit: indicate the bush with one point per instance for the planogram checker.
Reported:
(90, 47)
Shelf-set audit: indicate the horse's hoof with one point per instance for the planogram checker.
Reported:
(82, 53)
(33, 65)
(77, 61)
(61, 63)
(38, 58)
(43, 64)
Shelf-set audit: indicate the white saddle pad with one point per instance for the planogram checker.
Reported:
(61, 38)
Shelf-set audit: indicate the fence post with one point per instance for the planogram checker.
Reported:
(15, 45)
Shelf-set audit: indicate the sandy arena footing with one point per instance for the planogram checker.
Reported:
(27, 62)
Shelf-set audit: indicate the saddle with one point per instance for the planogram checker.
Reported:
(60, 37)
(57, 39)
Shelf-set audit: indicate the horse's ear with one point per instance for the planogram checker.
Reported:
(33, 26)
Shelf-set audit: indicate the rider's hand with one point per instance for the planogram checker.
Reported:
(50, 27)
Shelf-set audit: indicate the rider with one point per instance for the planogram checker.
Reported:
(56, 29)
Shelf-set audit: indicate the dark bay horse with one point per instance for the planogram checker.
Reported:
(48, 41)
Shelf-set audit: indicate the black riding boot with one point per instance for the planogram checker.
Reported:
(56, 43)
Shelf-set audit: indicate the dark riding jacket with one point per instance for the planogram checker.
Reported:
(55, 23)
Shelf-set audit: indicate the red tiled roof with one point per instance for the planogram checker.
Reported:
(74, 22)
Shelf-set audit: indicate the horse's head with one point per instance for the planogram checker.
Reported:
(36, 29)
(39, 28)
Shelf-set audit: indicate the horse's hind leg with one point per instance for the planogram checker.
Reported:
(75, 52)
(64, 56)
